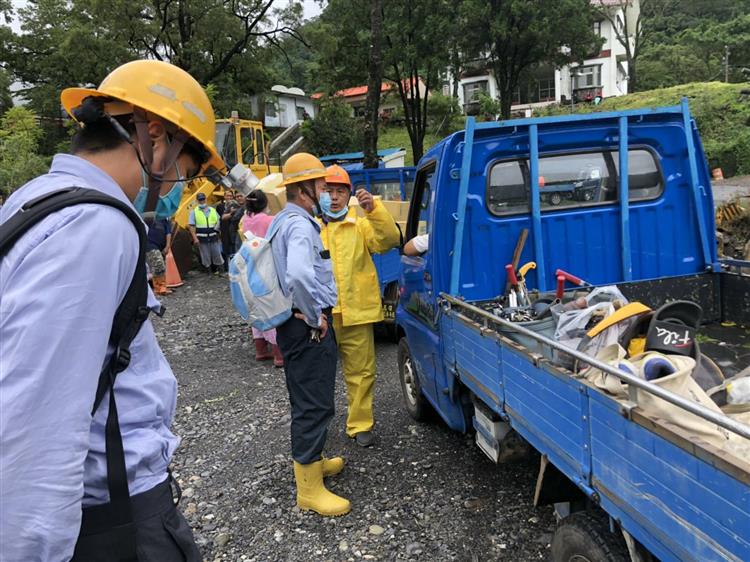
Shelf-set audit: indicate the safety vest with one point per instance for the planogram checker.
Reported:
(205, 226)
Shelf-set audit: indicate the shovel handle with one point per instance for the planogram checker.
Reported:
(560, 293)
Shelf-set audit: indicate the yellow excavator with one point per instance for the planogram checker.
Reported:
(239, 141)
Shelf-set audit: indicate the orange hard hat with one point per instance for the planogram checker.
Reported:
(337, 175)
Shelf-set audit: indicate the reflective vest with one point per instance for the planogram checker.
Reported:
(205, 226)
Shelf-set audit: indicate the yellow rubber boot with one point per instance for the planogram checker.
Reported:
(312, 493)
(331, 467)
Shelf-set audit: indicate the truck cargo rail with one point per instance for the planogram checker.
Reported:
(632, 381)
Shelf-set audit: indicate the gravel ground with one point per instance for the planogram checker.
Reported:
(422, 493)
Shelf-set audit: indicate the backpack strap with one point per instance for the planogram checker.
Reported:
(128, 319)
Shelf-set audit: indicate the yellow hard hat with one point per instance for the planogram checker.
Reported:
(161, 89)
(337, 175)
(302, 166)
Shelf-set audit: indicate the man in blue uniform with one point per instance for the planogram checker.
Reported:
(306, 340)
(60, 285)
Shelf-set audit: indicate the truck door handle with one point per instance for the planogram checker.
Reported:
(427, 277)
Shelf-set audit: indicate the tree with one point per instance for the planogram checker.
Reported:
(333, 130)
(517, 35)
(374, 81)
(417, 52)
(629, 34)
(6, 99)
(19, 138)
(69, 42)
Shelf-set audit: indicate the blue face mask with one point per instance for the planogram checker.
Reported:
(325, 205)
(168, 204)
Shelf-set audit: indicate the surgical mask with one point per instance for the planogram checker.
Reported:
(325, 205)
(168, 203)
(202, 205)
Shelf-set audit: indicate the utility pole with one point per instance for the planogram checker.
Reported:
(726, 63)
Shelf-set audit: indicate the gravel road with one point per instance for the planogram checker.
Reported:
(422, 493)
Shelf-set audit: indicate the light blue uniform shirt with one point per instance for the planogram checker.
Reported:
(303, 273)
(59, 288)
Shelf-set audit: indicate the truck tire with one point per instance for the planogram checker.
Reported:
(555, 199)
(414, 401)
(586, 537)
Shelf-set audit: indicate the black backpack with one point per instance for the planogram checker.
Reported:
(129, 317)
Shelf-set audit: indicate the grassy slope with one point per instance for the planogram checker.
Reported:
(398, 137)
(720, 110)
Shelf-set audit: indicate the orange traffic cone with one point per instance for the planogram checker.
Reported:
(173, 274)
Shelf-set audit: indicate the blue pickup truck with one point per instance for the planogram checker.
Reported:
(625, 485)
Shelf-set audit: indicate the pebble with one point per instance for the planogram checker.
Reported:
(222, 539)
(343, 546)
(376, 530)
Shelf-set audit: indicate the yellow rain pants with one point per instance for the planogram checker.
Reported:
(357, 351)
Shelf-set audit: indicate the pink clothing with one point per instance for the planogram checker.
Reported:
(269, 335)
(256, 223)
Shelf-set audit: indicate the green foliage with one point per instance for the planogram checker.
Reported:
(19, 138)
(489, 107)
(333, 130)
(720, 110)
(6, 100)
(444, 114)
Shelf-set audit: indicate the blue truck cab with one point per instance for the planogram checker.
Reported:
(634, 208)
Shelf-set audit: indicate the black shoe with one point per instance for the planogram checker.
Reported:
(365, 439)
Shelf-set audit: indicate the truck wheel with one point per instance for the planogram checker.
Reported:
(585, 537)
(555, 199)
(414, 400)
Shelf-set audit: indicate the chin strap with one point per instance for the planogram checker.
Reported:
(179, 139)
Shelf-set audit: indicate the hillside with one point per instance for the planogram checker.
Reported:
(721, 111)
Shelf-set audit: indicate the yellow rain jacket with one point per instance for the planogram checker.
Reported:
(351, 242)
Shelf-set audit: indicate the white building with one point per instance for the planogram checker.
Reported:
(604, 74)
(285, 106)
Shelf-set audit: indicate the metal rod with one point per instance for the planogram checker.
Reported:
(536, 210)
(627, 265)
(463, 191)
(692, 407)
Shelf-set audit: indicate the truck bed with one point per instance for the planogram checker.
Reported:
(682, 501)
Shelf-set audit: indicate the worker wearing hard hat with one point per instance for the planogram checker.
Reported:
(95, 486)
(351, 241)
(306, 340)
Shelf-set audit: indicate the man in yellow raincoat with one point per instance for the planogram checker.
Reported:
(351, 240)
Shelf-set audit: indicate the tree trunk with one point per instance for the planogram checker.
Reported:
(374, 81)
(632, 76)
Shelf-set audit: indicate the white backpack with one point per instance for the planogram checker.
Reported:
(254, 283)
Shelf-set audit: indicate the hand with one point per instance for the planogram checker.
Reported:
(323, 323)
(365, 200)
(195, 241)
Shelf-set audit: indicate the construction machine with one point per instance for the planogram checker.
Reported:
(239, 141)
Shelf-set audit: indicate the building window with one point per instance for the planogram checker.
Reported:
(270, 109)
(546, 89)
(598, 28)
(587, 77)
(301, 113)
(471, 95)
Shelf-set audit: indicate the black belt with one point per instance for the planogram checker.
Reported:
(99, 518)
(327, 311)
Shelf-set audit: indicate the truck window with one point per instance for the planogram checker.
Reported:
(388, 190)
(572, 180)
(420, 202)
